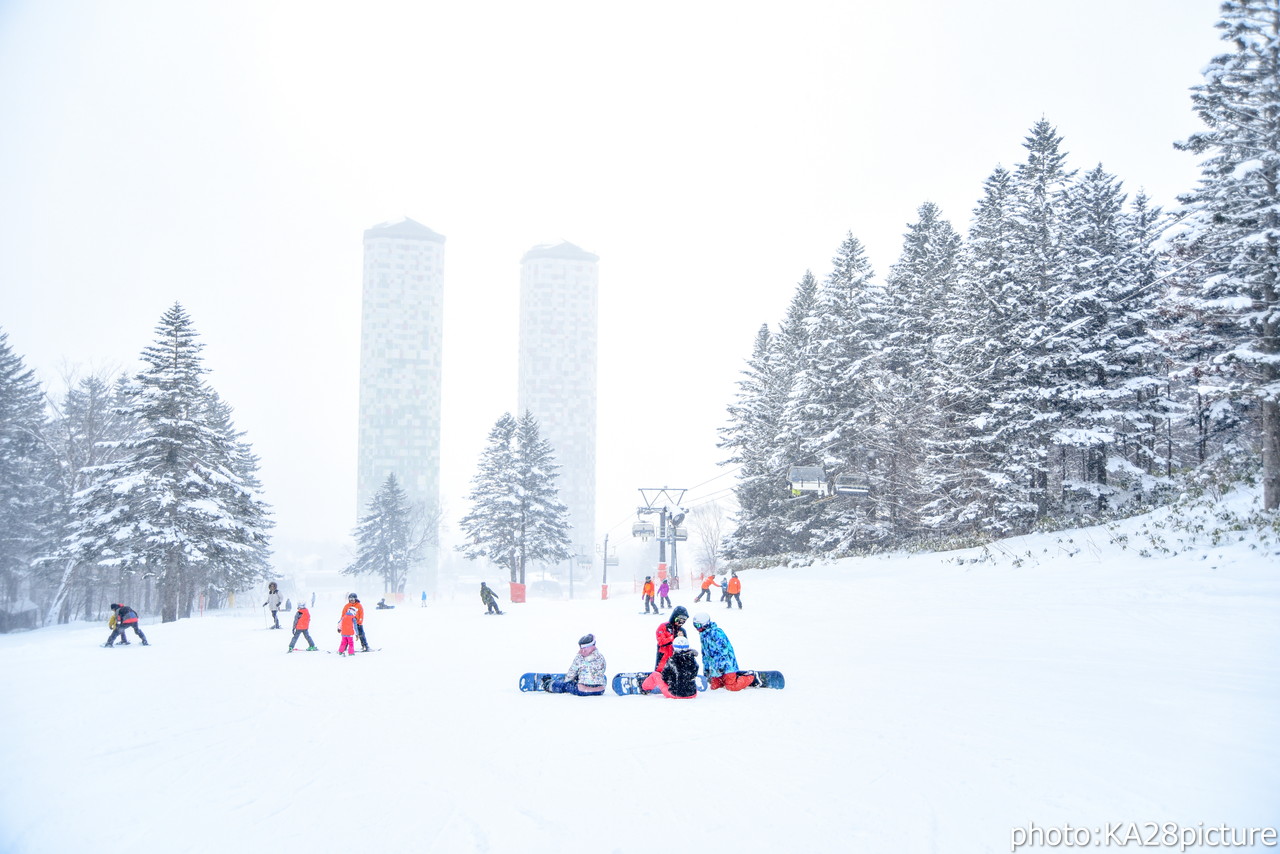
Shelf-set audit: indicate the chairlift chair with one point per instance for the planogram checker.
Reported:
(851, 484)
(681, 533)
(807, 479)
(643, 530)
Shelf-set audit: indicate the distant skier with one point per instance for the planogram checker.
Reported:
(302, 622)
(586, 675)
(347, 628)
(732, 591)
(679, 679)
(126, 618)
(724, 589)
(288, 604)
(707, 581)
(424, 598)
(719, 662)
(489, 598)
(274, 601)
(647, 592)
(664, 597)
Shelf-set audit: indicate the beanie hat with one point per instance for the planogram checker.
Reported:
(586, 640)
(681, 644)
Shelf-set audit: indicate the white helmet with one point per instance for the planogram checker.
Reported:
(700, 619)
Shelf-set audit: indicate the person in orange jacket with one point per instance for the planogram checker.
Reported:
(364, 642)
(733, 591)
(708, 581)
(647, 593)
(302, 622)
(347, 627)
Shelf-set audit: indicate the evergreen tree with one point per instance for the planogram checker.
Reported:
(516, 516)
(1235, 216)
(173, 502)
(26, 480)
(390, 538)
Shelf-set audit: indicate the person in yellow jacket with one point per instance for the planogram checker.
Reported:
(647, 592)
(112, 622)
(733, 591)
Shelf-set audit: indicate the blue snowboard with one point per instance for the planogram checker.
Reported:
(629, 683)
(767, 679)
(538, 681)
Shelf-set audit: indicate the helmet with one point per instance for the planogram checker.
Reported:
(681, 644)
(700, 619)
(351, 597)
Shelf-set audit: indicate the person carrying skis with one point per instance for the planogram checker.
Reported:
(719, 662)
(302, 622)
(489, 598)
(347, 628)
(679, 679)
(586, 675)
(647, 592)
(707, 581)
(126, 618)
(273, 602)
(732, 590)
(664, 598)
(364, 642)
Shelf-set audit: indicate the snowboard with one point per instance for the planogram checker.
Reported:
(492, 614)
(766, 679)
(629, 683)
(538, 681)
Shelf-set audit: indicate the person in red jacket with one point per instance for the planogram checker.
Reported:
(302, 622)
(666, 634)
(347, 628)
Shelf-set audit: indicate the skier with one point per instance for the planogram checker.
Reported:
(679, 679)
(719, 663)
(647, 593)
(126, 618)
(364, 642)
(288, 604)
(347, 627)
(489, 598)
(302, 622)
(732, 591)
(664, 599)
(112, 622)
(424, 598)
(586, 676)
(707, 580)
(724, 590)
(273, 601)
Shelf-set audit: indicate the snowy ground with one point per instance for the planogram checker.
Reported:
(931, 705)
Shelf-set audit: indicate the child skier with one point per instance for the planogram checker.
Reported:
(719, 663)
(586, 676)
(302, 622)
(112, 622)
(347, 628)
(664, 599)
(679, 679)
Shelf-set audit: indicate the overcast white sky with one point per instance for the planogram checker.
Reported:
(229, 155)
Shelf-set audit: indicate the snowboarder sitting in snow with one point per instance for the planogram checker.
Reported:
(719, 663)
(383, 606)
(664, 598)
(302, 622)
(126, 618)
(489, 598)
(647, 592)
(679, 679)
(586, 676)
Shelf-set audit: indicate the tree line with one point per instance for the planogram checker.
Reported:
(1077, 354)
(136, 488)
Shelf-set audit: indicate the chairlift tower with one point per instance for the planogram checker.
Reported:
(669, 530)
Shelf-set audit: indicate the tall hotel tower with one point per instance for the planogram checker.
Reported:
(558, 344)
(402, 320)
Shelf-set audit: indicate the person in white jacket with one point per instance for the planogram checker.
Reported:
(586, 676)
(274, 600)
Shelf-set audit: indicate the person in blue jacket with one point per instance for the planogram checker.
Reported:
(719, 662)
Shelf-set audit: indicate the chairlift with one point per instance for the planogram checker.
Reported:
(807, 479)
(642, 529)
(851, 484)
(681, 533)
